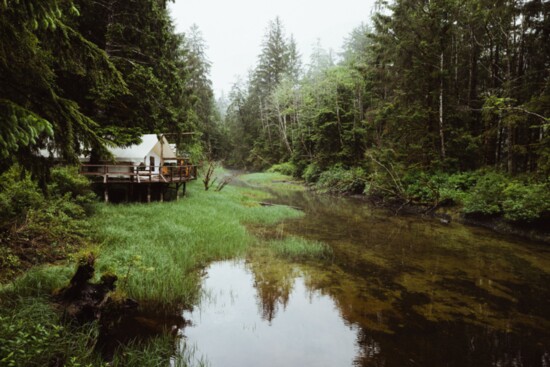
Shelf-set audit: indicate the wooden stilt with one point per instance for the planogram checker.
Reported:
(149, 193)
(127, 192)
(162, 193)
(106, 193)
(177, 192)
(184, 188)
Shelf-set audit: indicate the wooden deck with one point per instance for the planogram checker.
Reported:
(157, 177)
(131, 174)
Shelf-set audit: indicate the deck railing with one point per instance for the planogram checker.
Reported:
(115, 173)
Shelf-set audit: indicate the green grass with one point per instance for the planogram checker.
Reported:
(32, 334)
(273, 180)
(158, 248)
(297, 248)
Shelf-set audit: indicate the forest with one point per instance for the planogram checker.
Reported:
(430, 102)
(433, 104)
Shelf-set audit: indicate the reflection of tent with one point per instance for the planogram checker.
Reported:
(152, 152)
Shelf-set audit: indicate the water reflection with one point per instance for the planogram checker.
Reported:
(399, 291)
(427, 294)
(230, 330)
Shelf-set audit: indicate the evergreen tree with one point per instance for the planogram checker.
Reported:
(40, 47)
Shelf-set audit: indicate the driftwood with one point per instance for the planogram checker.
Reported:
(84, 301)
(264, 203)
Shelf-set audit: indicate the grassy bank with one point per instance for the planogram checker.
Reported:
(520, 200)
(157, 250)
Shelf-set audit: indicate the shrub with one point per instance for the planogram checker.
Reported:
(343, 181)
(423, 187)
(38, 228)
(18, 195)
(457, 185)
(525, 202)
(286, 168)
(311, 173)
(68, 184)
(486, 196)
(438, 187)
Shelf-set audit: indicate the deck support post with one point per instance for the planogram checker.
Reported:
(106, 194)
(184, 188)
(177, 192)
(149, 193)
(161, 193)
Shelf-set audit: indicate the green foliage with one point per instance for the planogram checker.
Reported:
(342, 181)
(297, 248)
(40, 50)
(517, 201)
(35, 227)
(413, 84)
(485, 193)
(67, 184)
(9, 262)
(486, 196)
(18, 194)
(156, 352)
(311, 173)
(287, 168)
(31, 334)
(23, 129)
(524, 202)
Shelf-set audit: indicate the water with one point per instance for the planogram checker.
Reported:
(229, 328)
(399, 291)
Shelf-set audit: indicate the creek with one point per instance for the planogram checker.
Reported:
(397, 291)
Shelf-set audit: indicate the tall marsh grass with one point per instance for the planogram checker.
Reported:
(157, 248)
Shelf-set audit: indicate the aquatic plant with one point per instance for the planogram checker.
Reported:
(297, 248)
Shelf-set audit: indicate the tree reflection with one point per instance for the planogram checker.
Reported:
(274, 282)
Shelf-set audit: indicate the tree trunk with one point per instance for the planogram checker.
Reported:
(441, 121)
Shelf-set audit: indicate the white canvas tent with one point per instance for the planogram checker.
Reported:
(152, 164)
(151, 153)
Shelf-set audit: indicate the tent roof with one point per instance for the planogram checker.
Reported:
(140, 151)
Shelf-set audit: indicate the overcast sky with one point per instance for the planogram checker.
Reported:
(234, 29)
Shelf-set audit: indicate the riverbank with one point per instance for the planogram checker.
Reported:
(538, 232)
(510, 205)
(158, 252)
